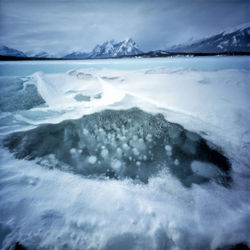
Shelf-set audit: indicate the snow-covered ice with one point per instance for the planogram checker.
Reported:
(105, 157)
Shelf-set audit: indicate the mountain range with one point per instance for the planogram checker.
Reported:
(39, 54)
(5, 51)
(236, 41)
(109, 49)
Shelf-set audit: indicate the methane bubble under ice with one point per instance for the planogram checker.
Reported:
(122, 144)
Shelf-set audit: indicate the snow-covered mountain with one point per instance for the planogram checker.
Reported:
(77, 55)
(112, 49)
(6, 51)
(39, 54)
(109, 49)
(232, 41)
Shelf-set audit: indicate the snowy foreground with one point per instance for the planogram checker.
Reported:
(102, 158)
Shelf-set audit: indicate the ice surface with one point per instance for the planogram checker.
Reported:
(24, 68)
(142, 187)
(18, 94)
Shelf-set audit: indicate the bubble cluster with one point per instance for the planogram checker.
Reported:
(123, 144)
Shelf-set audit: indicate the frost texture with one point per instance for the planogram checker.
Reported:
(122, 144)
(18, 94)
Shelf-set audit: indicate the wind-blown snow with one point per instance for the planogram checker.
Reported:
(45, 208)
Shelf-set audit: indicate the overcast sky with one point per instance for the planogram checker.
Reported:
(67, 25)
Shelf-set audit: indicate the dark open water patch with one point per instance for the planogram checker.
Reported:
(122, 144)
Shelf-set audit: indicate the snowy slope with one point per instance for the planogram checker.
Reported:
(76, 55)
(6, 51)
(40, 54)
(228, 41)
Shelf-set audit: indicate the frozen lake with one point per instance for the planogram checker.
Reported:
(23, 68)
(125, 153)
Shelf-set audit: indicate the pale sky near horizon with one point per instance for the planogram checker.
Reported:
(64, 26)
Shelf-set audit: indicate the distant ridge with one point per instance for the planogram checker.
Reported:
(40, 54)
(224, 42)
(76, 55)
(6, 51)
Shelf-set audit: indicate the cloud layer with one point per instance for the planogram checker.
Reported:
(63, 26)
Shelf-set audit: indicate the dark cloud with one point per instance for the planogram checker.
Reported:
(62, 25)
